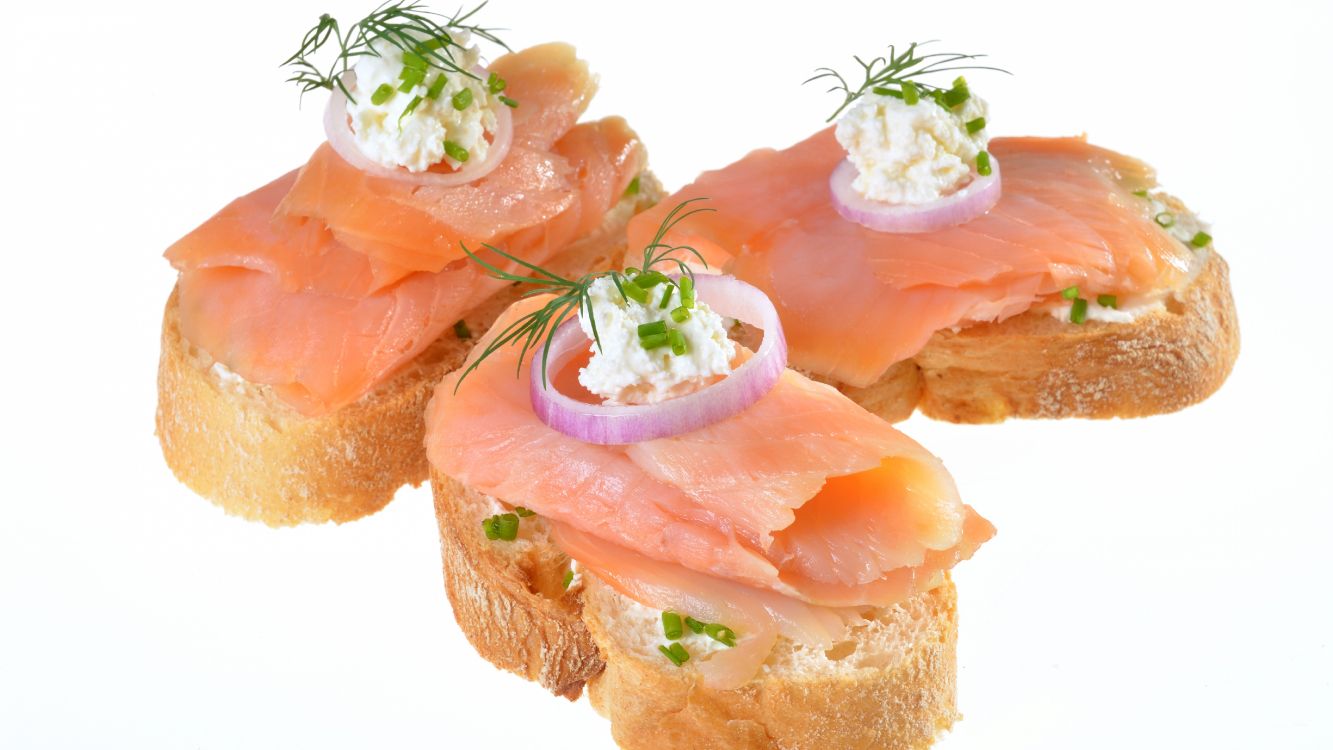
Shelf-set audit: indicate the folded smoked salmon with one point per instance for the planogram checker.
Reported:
(1074, 219)
(316, 290)
(788, 520)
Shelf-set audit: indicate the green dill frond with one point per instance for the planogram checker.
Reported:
(896, 69)
(408, 26)
(571, 295)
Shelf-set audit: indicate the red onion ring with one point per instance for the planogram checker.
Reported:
(975, 199)
(339, 132)
(619, 425)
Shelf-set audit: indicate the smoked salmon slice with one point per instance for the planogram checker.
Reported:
(324, 282)
(801, 505)
(854, 301)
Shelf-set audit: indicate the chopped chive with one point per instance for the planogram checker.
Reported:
(650, 279)
(695, 625)
(1107, 300)
(911, 94)
(983, 163)
(1078, 312)
(887, 92)
(568, 579)
(633, 188)
(678, 343)
(687, 291)
(653, 328)
(410, 78)
(1069, 292)
(676, 653)
(455, 151)
(635, 292)
(462, 331)
(960, 82)
(975, 125)
(436, 88)
(411, 107)
(413, 60)
(1201, 239)
(655, 341)
(381, 94)
(490, 528)
(666, 296)
(671, 627)
(506, 525)
(495, 84)
(510, 103)
(462, 99)
(1141, 192)
(680, 314)
(722, 634)
(522, 512)
(1165, 219)
(938, 96)
(956, 95)
(428, 46)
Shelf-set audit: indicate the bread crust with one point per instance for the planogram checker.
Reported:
(238, 445)
(653, 705)
(1033, 366)
(509, 600)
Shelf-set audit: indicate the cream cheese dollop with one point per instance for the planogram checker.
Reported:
(911, 153)
(390, 135)
(621, 371)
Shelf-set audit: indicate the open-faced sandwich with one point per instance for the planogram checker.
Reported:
(915, 261)
(728, 553)
(313, 317)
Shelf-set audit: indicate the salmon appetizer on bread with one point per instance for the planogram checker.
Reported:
(724, 551)
(312, 317)
(917, 262)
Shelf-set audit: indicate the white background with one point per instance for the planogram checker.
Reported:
(1155, 583)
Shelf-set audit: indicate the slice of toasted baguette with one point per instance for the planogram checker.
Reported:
(1036, 366)
(241, 447)
(890, 685)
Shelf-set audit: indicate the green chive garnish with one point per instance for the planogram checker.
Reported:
(911, 94)
(1079, 311)
(413, 60)
(687, 291)
(655, 341)
(436, 88)
(411, 107)
(462, 99)
(676, 653)
(522, 512)
(569, 578)
(510, 103)
(671, 626)
(975, 125)
(495, 84)
(490, 527)
(958, 94)
(653, 328)
(650, 279)
(695, 625)
(1141, 192)
(887, 92)
(960, 82)
(462, 331)
(633, 188)
(455, 151)
(381, 94)
(678, 343)
(1106, 300)
(506, 525)
(722, 634)
(680, 314)
(410, 78)
(1069, 292)
(666, 296)
(634, 292)
(1165, 219)
(428, 46)
(983, 163)
(1201, 239)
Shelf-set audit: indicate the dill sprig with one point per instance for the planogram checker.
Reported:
(572, 295)
(406, 26)
(885, 73)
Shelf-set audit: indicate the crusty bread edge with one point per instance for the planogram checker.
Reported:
(239, 446)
